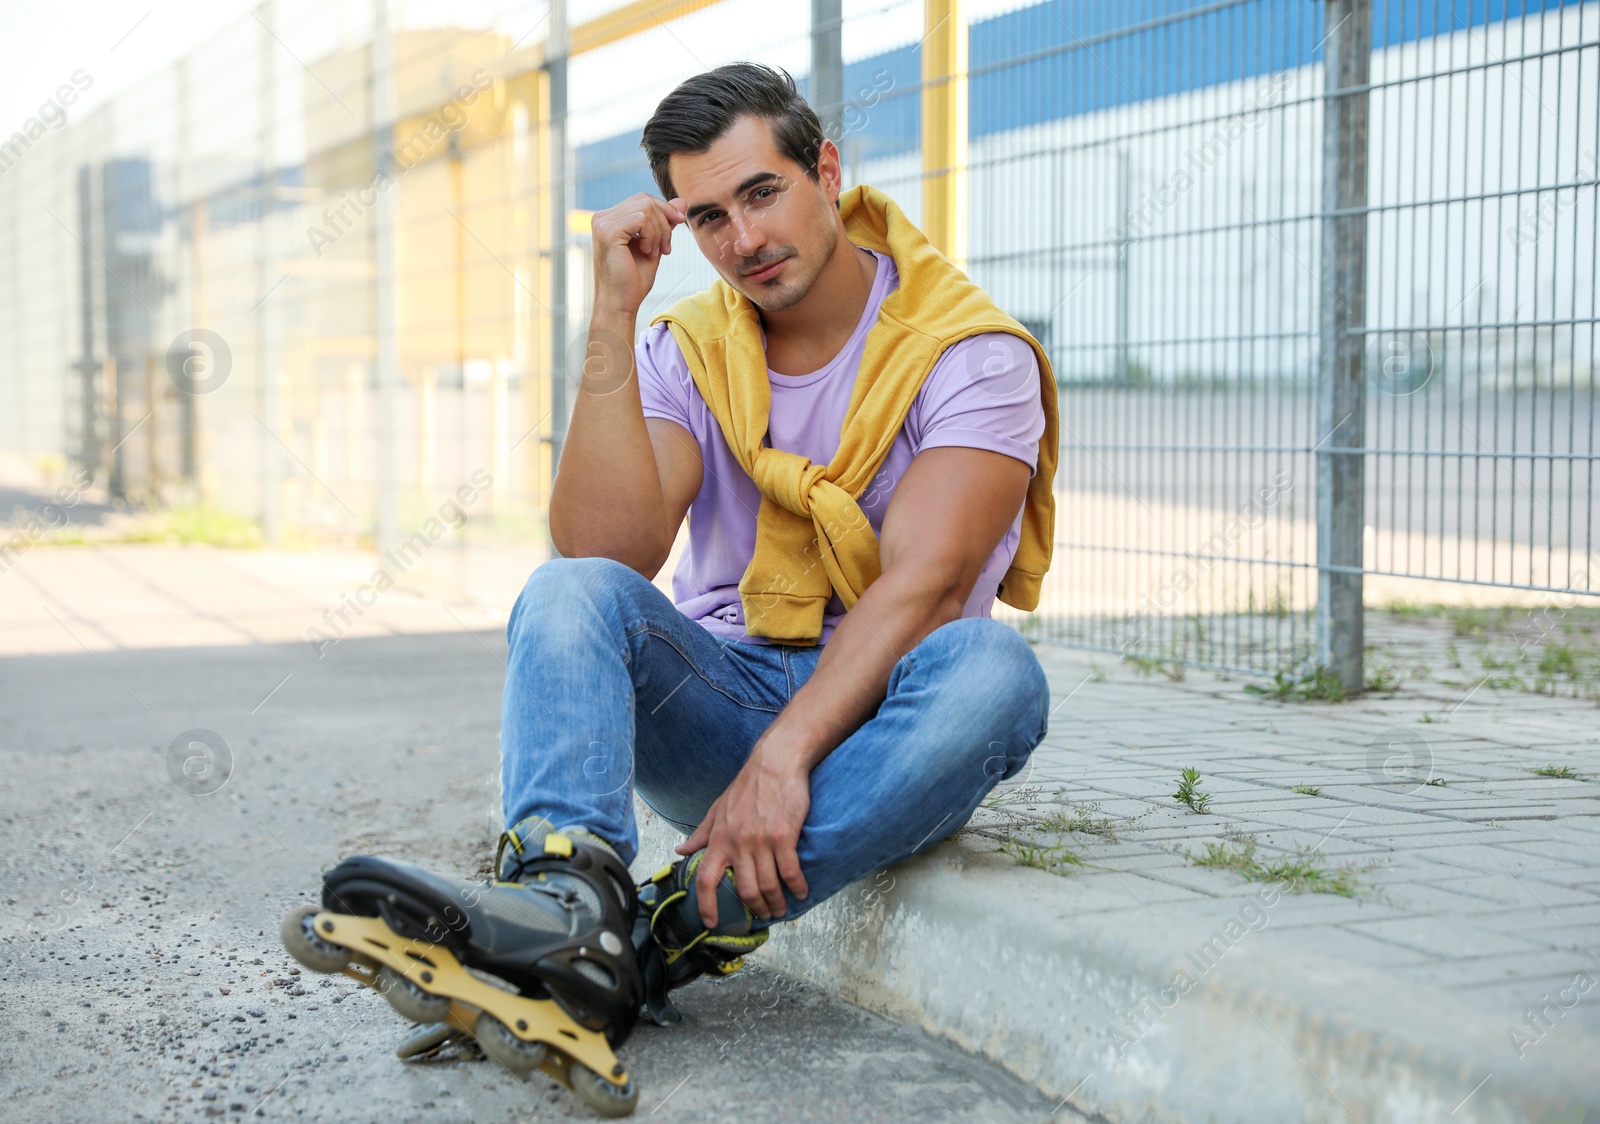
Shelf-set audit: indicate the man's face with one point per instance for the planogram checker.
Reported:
(761, 222)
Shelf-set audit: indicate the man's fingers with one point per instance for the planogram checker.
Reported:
(771, 888)
(692, 844)
(712, 863)
(671, 209)
(789, 867)
(655, 234)
(748, 884)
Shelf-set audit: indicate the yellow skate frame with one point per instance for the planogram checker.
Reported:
(434, 969)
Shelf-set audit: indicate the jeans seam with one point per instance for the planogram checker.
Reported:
(695, 668)
(911, 665)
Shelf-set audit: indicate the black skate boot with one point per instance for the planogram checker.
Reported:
(674, 944)
(537, 967)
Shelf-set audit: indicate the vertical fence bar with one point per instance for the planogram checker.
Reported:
(944, 127)
(1341, 401)
(1124, 371)
(380, 78)
(189, 455)
(87, 366)
(556, 46)
(827, 66)
(267, 355)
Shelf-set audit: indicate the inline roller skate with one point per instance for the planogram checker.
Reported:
(673, 943)
(537, 968)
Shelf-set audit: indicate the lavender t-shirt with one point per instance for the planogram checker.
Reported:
(982, 394)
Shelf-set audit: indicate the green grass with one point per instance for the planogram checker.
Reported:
(1548, 651)
(1300, 873)
(1465, 621)
(1083, 819)
(1031, 628)
(1058, 859)
(1560, 772)
(192, 524)
(1305, 789)
(1010, 797)
(1197, 801)
(1380, 677)
(1173, 669)
(1317, 685)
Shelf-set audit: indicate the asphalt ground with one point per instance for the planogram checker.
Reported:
(145, 877)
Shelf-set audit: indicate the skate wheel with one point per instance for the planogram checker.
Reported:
(520, 1057)
(601, 1095)
(409, 1000)
(428, 1043)
(302, 943)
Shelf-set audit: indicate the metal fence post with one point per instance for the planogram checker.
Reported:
(557, 45)
(386, 362)
(268, 355)
(827, 66)
(1124, 186)
(1341, 402)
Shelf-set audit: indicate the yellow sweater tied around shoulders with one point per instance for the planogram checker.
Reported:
(809, 514)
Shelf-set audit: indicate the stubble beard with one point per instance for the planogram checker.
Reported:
(793, 290)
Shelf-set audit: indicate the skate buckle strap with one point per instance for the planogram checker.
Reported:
(557, 844)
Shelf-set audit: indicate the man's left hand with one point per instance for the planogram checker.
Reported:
(754, 828)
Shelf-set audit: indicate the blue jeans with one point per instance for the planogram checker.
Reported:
(610, 689)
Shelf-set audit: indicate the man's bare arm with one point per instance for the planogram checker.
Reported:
(949, 512)
(624, 481)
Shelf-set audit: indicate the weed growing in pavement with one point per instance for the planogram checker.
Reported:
(1382, 677)
(1022, 794)
(1017, 832)
(192, 524)
(1301, 872)
(1186, 794)
(1549, 651)
(1031, 629)
(1058, 859)
(1316, 685)
(1305, 789)
(1083, 819)
(1560, 772)
(1173, 669)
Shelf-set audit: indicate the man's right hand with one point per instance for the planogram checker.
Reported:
(624, 265)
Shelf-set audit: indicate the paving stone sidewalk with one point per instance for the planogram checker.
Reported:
(1474, 881)
(1470, 870)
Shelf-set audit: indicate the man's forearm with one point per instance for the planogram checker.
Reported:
(852, 676)
(606, 498)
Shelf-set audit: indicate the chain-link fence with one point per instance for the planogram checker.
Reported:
(1317, 278)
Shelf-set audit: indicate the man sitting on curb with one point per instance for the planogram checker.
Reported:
(854, 431)
(864, 446)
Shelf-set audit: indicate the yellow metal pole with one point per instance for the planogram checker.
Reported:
(630, 19)
(944, 128)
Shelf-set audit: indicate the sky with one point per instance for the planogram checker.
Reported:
(115, 43)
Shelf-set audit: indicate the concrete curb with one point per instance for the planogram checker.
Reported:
(1009, 963)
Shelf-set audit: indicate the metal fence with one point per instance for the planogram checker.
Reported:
(1332, 327)
(1317, 278)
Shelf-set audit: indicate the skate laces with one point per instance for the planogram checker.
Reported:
(673, 920)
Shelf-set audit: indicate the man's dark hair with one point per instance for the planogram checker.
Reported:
(696, 114)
